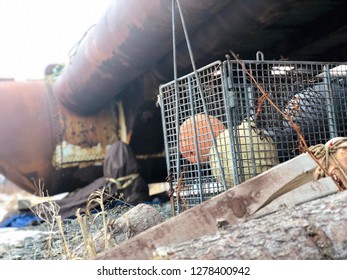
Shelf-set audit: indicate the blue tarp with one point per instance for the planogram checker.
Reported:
(20, 220)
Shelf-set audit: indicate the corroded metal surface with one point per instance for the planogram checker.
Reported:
(26, 142)
(127, 41)
(133, 38)
(80, 144)
(83, 140)
(42, 140)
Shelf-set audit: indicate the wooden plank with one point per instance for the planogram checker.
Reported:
(30, 201)
(311, 231)
(157, 188)
(307, 192)
(232, 207)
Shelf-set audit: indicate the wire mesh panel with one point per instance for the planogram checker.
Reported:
(312, 94)
(220, 132)
(193, 120)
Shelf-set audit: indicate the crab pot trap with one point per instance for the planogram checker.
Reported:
(220, 132)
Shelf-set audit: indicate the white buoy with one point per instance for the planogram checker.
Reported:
(264, 153)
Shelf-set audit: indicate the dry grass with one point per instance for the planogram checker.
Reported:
(97, 197)
(93, 235)
(48, 212)
(88, 242)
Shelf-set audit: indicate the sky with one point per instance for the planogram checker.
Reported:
(35, 33)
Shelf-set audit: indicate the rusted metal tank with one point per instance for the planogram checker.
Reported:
(42, 140)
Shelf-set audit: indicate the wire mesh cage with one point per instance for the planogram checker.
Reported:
(220, 132)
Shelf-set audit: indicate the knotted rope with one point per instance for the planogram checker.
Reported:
(123, 182)
(325, 152)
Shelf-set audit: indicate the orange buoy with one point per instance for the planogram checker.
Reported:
(203, 136)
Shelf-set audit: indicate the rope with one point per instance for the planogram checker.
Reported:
(321, 150)
(327, 151)
(123, 182)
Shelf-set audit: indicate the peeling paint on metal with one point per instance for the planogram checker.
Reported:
(68, 155)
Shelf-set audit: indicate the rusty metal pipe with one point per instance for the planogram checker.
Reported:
(129, 39)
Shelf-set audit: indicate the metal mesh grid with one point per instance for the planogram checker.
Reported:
(227, 135)
(193, 133)
(313, 94)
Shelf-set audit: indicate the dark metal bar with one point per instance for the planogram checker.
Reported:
(177, 124)
(229, 97)
(329, 102)
(192, 110)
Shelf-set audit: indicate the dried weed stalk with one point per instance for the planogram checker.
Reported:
(88, 242)
(48, 212)
(98, 197)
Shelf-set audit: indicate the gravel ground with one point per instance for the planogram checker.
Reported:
(39, 242)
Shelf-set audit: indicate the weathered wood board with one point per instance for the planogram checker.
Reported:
(313, 230)
(307, 192)
(231, 207)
